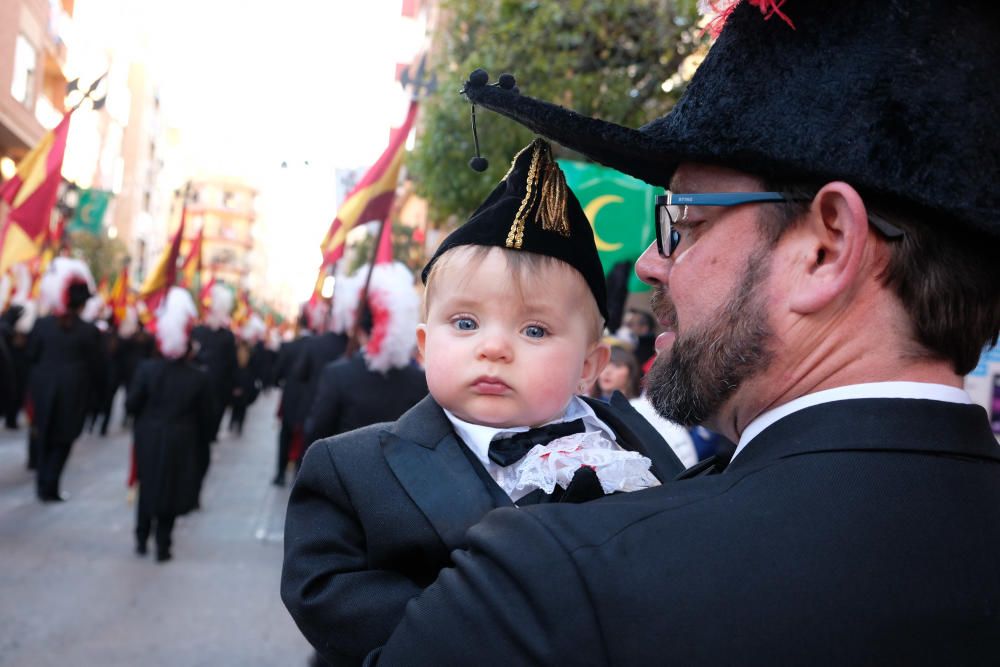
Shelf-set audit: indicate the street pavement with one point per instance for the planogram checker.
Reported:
(73, 592)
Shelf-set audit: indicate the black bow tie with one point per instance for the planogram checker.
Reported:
(511, 449)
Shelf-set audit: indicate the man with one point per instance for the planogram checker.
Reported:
(66, 361)
(216, 347)
(859, 519)
(293, 404)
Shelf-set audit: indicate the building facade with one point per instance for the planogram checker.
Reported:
(32, 74)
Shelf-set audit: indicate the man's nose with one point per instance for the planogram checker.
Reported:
(651, 268)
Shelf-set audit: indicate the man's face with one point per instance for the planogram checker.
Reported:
(710, 297)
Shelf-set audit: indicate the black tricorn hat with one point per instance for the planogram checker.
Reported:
(897, 97)
(533, 210)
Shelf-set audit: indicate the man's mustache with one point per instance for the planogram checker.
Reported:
(663, 308)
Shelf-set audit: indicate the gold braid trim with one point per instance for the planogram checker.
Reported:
(515, 237)
(552, 203)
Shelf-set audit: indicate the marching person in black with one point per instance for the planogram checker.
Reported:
(294, 402)
(380, 381)
(18, 347)
(174, 409)
(65, 356)
(245, 386)
(135, 345)
(216, 352)
(318, 351)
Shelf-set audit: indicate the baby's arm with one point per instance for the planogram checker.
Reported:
(342, 607)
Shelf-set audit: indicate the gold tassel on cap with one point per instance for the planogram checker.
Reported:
(545, 194)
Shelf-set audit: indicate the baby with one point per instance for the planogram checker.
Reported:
(514, 310)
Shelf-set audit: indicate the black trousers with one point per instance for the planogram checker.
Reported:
(284, 447)
(237, 414)
(144, 524)
(50, 461)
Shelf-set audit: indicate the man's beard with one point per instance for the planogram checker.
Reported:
(708, 364)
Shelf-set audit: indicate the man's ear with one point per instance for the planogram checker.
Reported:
(421, 339)
(594, 363)
(829, 248)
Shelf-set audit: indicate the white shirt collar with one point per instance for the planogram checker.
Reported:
(478, 437)
(921, 390)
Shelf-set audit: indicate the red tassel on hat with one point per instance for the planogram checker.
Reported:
(768, 8)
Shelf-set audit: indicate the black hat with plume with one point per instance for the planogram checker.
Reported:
(533, 210)
(897, 97)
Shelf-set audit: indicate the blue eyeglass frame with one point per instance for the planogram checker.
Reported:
(663, 219)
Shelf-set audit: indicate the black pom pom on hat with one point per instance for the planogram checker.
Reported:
(479, 78)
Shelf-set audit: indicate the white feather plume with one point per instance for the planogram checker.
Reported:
(26, 322)
(344, 310)
(129, 324)
(254, 329)
(221, 307)
(56, 281)
(173, 323)
(395, 308)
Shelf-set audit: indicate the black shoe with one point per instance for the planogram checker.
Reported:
(53, 497)
(140, 549)
(278, 481)
(163, 556)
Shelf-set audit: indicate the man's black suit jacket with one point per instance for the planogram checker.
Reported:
(375, 513)
(860, 532)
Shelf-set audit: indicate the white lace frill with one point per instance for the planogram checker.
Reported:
(546, 466)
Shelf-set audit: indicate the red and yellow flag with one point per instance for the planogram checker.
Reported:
(164, 273)
(372, 197)
(243, 310)
(205, 296)
(119, 296)
(191, 269)
(31, 194)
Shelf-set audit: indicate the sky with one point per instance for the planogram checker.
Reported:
(250, 84)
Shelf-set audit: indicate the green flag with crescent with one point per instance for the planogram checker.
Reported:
(620, 209)
(90, 211)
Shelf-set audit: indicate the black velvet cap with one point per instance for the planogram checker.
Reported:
(533, 210)
(899, 98)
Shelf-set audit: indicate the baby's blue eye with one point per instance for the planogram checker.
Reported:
(534, 331)
(465, 324)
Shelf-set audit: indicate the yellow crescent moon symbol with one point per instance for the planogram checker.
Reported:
(591, 211)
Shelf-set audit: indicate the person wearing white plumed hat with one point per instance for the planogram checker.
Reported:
(65, 357)
(173, 402)
(379, 382)
(217, 348)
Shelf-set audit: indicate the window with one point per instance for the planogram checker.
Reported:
(22, 86)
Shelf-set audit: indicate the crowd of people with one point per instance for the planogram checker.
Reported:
(64, 357)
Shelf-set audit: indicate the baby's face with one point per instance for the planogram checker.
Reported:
(501, 356)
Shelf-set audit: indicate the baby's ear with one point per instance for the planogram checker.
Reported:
(421, 339)
(594, 362)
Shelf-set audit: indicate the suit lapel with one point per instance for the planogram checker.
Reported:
(638, 435)
(431, 464)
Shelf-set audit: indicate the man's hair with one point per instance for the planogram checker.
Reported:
(519, 264)
(946, 276)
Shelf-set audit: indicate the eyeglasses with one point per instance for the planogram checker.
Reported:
(671, 208)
